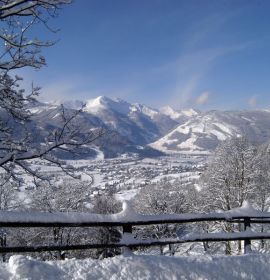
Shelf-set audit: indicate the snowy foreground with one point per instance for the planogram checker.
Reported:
(253, 266)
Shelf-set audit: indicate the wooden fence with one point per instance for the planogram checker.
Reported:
(128, 221)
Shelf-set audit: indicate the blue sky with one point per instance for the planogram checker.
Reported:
(205, 54)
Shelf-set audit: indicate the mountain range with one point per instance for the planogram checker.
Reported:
(146, 131)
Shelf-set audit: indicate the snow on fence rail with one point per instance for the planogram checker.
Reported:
(128, 218)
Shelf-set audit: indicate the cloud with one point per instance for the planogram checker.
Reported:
(57, 90)
(63, 90)
(183, 92)
(190, 69)
(203, 98)
(76, 89)
(253, 100)
(58, 87)
(188, 72)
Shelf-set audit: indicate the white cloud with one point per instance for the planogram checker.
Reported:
(253, 100)
(182, 93)
(76, 89)
(203, 98)
(63, 90)
(189, 71)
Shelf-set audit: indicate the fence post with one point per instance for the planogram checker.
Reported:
(127, 228)
(247, 242)
(127, 234)
(3, 244)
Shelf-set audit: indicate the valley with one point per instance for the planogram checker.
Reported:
(124, 176)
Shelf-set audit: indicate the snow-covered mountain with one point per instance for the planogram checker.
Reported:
(202, 132)
(165, 130)
(133, 125)
(138, 123)
(179, 115)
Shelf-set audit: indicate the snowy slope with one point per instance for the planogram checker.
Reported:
(254, 266)
(201, 133)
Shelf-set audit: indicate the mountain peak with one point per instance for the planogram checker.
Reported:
(98, 101)
(102, 103)
(178, 114)
(190, 112)
(170, 112)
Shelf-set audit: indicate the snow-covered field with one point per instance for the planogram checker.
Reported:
(253, 266)
(123, 174)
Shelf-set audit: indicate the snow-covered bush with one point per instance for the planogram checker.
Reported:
(106, 204)
(236, 172)
(162, 198)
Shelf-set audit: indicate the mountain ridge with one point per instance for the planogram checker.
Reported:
(164, 130)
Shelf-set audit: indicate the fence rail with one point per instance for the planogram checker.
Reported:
(127, 219)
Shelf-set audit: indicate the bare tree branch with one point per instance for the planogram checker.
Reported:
(19, 50)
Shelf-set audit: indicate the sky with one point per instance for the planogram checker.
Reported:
(205, 54)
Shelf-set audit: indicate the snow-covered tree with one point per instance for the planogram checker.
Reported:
(69, 195)
(9, 200)
(229, 180)
(261, 174)
(162, 198)
(106, 204)
(20, 48)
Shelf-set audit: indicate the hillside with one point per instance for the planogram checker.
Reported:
(202, 132)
